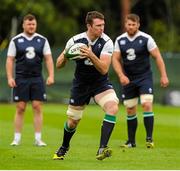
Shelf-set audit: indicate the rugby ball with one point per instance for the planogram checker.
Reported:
(73, 52)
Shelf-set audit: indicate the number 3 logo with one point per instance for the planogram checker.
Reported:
(30, 54)
(88, 62)
(131, 54)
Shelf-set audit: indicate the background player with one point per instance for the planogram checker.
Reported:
(27, 50)
(132, 64)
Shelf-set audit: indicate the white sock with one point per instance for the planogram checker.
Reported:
(37, 136)
(17, 136)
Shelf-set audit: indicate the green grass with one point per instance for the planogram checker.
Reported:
(85, 142)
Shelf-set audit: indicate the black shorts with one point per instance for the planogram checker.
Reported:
(29, 89)
(135, 88)
(81, 92)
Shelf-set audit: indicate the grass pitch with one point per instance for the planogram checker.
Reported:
(85, 142)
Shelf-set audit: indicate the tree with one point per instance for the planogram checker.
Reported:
(59, 20)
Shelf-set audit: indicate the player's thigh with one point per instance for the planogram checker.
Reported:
(107, 95)
(146, 94)
(146, 86)
(21, 91)
(108, 100)
(129, 91)
(37, 89)
(80, 94)
(75, 113)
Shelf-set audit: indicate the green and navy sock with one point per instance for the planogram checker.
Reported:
(68, 133)
(149, 124)
(132, 127)
(106, 129)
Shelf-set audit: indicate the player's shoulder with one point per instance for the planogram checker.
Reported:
(20, 35)
(83, 35)
(105, 37)
(143, 34)
(39, 36)
(79, 36)
(123, 35)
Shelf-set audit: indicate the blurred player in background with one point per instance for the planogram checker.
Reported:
(91, 80)
(132, 64)
(28, 50)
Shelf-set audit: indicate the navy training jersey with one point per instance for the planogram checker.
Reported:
(28, 53)
(85, 70)
(135, 53)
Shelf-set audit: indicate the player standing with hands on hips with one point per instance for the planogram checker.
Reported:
(28, 50)
(91, 80)
(132, 64)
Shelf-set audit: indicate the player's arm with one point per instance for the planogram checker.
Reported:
(118, 68)
(102, 63)
(10, 64)
(9, 71)
(49, 63)
(61, 61)
(155, 53)
(117, 64)
(50, 69)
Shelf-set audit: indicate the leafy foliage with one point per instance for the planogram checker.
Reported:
(59, 20)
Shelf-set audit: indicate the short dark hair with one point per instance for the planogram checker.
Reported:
(133, 17)
(29, 17)
(92, 15)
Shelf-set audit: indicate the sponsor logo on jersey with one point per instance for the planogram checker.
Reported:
(122, 42)
(20, 40)
(38, 40)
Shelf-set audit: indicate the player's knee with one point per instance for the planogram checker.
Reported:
(74, 114)
(130, 103)
(111, 107)
(114, 109)
(37, 108)
(21, 109)
(147, 106)
(109, 103)
(36, 105)
(131, 111)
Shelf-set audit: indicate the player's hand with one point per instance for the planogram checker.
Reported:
(11, 83)
(124, 80)
(86, 51)
(50, 81)
(164, 81)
